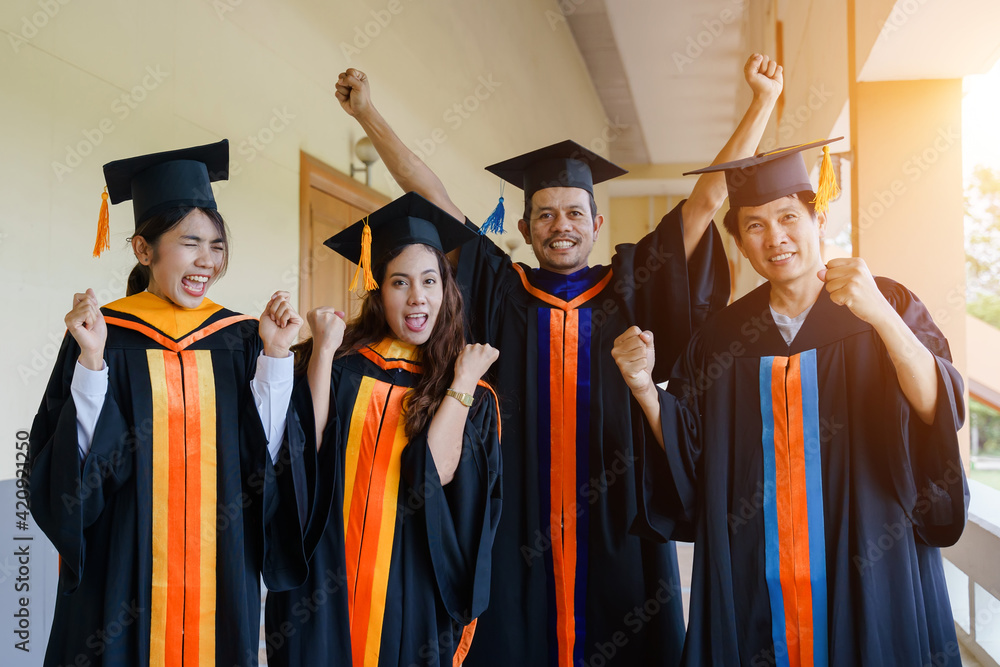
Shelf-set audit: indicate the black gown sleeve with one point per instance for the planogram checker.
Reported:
(924, 460)
(461, 518)
(287, 488)
(65, 495)
(483, 274)
(665, 292)
(667, 478)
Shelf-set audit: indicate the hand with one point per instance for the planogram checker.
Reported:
(279, 325)
(353, 93)
(85, 323)
(472, 364)
(851, 284)
(764, 76)
(327, 326)
(635, 356)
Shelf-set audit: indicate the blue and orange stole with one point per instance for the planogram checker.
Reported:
(563, 436)
(184, 475)
(795, 543)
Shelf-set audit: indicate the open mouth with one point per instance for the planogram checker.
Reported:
(416, 322)
(195, 284)
(562, 244)
(777, 259)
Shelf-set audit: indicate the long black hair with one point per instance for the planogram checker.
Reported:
(437, 355)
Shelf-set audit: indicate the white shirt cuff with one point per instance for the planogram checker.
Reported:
(272, 391)
(89, 389)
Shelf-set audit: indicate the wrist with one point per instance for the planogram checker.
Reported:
(464, 385)
(764, 101)
(276, 352)
(93, 361)
(646, 393)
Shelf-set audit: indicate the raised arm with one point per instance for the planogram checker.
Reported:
(764, 77)
(444, 436)
(409, 171)
(327, 326)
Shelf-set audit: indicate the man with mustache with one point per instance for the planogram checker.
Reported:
(570, 584)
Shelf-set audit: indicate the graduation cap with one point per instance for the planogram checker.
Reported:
(161, 181)
(403, 221)
(760, 179)
(566, 164)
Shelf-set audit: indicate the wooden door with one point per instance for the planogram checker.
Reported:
(330, 201)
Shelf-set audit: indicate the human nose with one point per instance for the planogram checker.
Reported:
(562, 222)
(204, 258)
(417, 294)
(776, 235)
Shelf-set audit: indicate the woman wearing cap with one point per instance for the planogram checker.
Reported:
(158, 465)
(403, 567)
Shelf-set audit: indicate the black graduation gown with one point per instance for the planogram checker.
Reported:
(590, 592)
(816, 498)
(161, 543)
(414, 556)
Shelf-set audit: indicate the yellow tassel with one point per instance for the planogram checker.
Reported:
(365, 263)
(828, 189)
(103, 241)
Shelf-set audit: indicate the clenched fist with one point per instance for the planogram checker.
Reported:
(279, 325)
(85, 323)
(327, 326)
(472, 364)
(635, 356)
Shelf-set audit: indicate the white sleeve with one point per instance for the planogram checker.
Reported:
(88, 389)
(272, 390)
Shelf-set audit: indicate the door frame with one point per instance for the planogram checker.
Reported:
(314, 173)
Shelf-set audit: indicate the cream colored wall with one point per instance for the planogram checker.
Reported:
(105, 80)
(632, 218)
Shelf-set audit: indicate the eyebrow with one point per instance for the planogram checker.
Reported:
(192, 237)
(577, 207)
(406, 275)
(779, 212)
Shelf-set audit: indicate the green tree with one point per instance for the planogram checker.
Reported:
(982, 244)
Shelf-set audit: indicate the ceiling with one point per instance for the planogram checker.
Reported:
(670, 70)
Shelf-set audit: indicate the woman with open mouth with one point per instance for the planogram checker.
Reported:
(402, 568)
(161, 467)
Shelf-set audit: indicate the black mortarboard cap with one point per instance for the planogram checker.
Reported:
(760, 179)
(161, 181)
(566, 164)
(403, 221)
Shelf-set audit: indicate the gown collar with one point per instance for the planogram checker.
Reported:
(164, 315)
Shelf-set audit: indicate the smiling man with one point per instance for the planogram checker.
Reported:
(807, 439)
(570, 585)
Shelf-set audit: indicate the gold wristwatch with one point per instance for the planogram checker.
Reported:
(464, 399)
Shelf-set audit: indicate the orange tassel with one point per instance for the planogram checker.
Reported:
(828, 189)
(365, 263)
(103, 241)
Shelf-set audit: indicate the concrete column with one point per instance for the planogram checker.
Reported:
(909, 217)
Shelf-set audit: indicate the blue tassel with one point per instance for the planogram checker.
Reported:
(494, 223)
